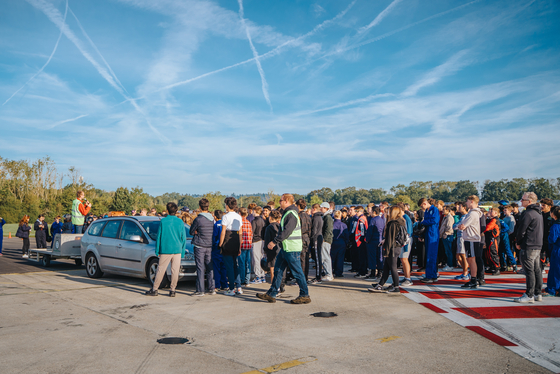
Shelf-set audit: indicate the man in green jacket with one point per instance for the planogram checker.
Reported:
(170, 247)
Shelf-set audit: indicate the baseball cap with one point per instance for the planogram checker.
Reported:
(325, 205)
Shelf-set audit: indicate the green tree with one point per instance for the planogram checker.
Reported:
(216, 200)
(544, 188)
(189, 201)
(463, 189)
(515, 188)
(494, 190)
(122, 200)
(314, 200)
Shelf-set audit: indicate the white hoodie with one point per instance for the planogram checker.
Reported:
(471, 233)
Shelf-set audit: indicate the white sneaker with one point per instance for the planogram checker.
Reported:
(239, 291)
(25, 256)
(447, 268)
(328, 278)
(230, 293)
(524, 299)
(538, 297)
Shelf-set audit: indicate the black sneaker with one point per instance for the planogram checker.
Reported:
(497, 272)
(481, 282)
(468, 284)
(171, 293)
(151, 293)
(359, 276)
(267, 297)
(428, 280)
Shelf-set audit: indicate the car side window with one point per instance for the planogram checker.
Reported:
(111, 229)
(95, 228)
(129, 229)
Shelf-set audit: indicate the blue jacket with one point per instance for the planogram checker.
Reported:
(216, 234)
(408, 224)
(1, 226)
(56, 228)
(554, 238)
(431, 221)
(374, 233)
(340, 234)
(202, 230)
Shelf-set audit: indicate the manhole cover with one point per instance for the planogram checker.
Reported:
(173, 341)
(324, 314)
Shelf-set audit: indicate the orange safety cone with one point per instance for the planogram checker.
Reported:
(9, 235)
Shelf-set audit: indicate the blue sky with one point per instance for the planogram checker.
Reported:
(231, 96)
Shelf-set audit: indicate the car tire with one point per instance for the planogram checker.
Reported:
(46, 260)
(78, 262)
(92, 266)
(151, 271)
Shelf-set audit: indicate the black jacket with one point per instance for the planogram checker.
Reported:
(290, 223)
(258, 225)
(317, 229)
(389, 245)
(305, 228)
(202, 230)
(547, 223)
(530, 228)
(25, 229)
(328, 228)
(41, 232)
(270, 233)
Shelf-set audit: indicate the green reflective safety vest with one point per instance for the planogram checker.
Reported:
(294, 243)
(77, 216)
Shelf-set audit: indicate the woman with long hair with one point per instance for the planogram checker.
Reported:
(391, 251)
(24, 230)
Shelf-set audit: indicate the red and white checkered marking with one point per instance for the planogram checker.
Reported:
(530, 330)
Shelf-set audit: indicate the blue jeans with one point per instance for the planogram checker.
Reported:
(291, 260)
(220, 277)
(337, 256)
(244, 262)
(232, 271)
(447, 244)
(505, 250)
(203, 261)
(78, 229)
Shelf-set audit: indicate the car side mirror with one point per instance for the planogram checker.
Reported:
(136, 238)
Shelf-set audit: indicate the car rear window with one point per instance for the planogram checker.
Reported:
(151, 228)
(95, 228)
(111, 229)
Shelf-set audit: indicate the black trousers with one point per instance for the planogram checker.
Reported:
(41, 239)
(420, 254)
(390, 265)
(362, 258)
(25, 249)
(354, 255)
(305, 261)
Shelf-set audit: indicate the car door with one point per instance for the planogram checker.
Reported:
(107, 245)
(130, 253)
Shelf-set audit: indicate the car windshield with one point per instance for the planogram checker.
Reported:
(151, 228)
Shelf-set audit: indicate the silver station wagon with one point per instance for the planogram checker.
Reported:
(126, 246)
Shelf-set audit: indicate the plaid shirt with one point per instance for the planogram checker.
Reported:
(247, 242)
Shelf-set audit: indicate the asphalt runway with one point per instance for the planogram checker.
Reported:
(57, 320)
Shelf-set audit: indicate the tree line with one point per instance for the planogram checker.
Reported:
(34, 187)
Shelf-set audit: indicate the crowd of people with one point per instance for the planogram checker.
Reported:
(274, 244)
(282, 243)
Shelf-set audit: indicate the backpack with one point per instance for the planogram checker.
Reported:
(401, 239)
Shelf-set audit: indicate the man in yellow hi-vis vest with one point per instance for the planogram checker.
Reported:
(290, 241)
(79, 211)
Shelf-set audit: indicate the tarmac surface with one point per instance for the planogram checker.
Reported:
(57, 320)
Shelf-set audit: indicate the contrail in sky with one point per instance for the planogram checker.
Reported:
(266, 55)
(255, 55)
(54, 15)
(46, 63)
(97, 50)
(68, 120)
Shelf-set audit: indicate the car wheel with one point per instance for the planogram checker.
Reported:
(78, 261)
(151, 272)
(46, 260)
(92, 266)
